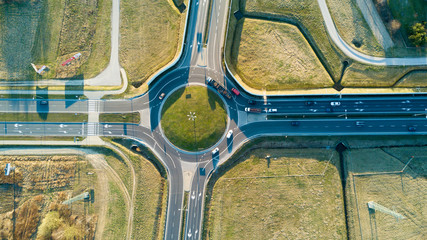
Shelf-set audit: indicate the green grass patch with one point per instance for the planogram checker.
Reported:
(150, 34)
(293, 194)
(116, 224)
(43, 117)
(210, 122)
(276, 56)
(408, 12)
(29, 138)
(50, 32)
(120, 117)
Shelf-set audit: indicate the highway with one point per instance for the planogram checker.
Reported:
(355, 115)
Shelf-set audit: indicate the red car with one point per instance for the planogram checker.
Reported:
(235, 91)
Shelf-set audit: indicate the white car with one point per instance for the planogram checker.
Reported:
(272, 110)
(335, 104)
(229, 133)
(215, 150)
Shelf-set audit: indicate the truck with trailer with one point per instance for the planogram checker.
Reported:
(253, 110)
(219, 88)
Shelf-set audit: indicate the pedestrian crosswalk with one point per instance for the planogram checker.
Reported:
(92, 106)
(92, 129)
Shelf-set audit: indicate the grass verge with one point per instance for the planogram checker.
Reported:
(279, 197)
(120, 117)
(116, 214)
(208, 126)
(151, 193)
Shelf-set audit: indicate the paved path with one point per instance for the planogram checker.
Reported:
(374, 21)
(358, 56)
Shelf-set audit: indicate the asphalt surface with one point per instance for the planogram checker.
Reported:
(355, 115)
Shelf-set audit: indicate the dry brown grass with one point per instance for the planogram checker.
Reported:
(150, 198)
(352, 26)
(401, 192)
(276, 56)
(288, 198)
(49, 33)
(150, 34)
(415, 79)
(52, 171)
(349, 22)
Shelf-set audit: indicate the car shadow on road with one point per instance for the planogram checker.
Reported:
(78, 89)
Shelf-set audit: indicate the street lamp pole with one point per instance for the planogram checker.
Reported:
(192, 117)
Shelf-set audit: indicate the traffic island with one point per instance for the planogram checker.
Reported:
(193, 118)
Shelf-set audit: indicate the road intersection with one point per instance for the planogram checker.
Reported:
(394, 115)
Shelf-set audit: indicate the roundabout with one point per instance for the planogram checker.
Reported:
(193, 118)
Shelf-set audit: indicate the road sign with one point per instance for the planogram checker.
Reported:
(7, 169)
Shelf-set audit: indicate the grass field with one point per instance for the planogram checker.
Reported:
(352, 27)
(150, 34)
(414, 80)
(151, 195)
(210, 123)
(120, 117)
(43, 117)
(50, 32)
(307, 13)
(55, 178)
(117, 215)
(46, 180)
(296, 194)
(374, 175)
(276, 56)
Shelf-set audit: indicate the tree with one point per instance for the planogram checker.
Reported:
(418, 34)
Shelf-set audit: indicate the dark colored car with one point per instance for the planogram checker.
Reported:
(295, 123)
(251, 102)
(412, 128)
(329, 110)
(309, 103)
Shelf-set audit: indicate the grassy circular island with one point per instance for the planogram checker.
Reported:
(198, 103)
